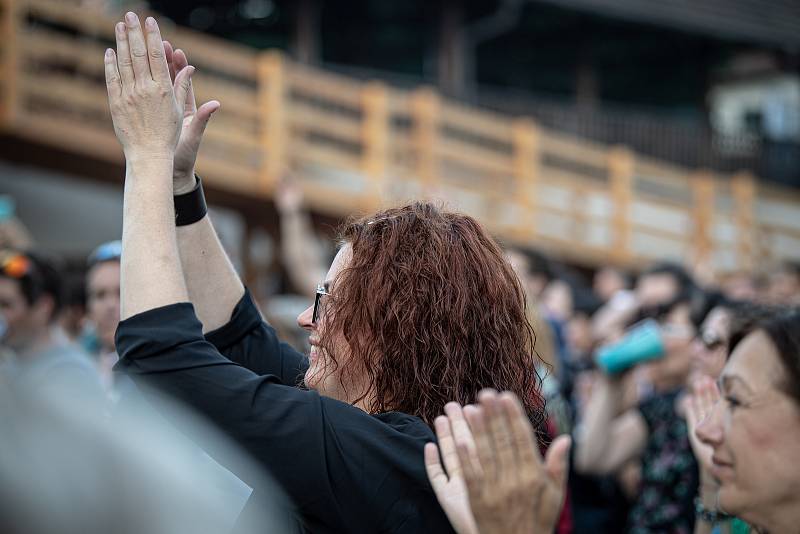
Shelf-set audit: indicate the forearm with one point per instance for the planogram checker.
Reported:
(300, 254)
(151, 274)
(213, 285)
(593, 437)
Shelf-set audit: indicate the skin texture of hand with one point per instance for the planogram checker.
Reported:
(450, 487)
(509, 488)
(194, 125)
(696, 407)
(145, 108)
(288, 196)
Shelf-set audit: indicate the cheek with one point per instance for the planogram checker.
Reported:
(760, 444)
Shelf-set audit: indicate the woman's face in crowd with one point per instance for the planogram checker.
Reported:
(102, 286)
(316, 378)
(678, 332)
(710, 348)
(754, 431)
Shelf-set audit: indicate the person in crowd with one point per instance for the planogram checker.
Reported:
(397, 327)
(610, 282)
(653, 432)
(30, 300)
(487, 471)
(752, 427)
(534, 270)
(302, 254)
(102, 297)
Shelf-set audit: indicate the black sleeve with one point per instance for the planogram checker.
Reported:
(249, 341)
(329, 457)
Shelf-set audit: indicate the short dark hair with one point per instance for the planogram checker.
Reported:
(39, 277)
(782, 326)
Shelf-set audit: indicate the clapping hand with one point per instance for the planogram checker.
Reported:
(697, 406)
(146, 110)
(194, 124)
(509, 488)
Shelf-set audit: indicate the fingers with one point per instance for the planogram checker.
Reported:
(556, 461)
(200, 121)
(155, 53)
(501, 434)
(138, 49)
(183, 84)
(169, 54)
(113, 81)
(180, 62)
(460, 428)
(522, 436)
(447, 446)
(483, 441)
(433, 467)
(124, 57)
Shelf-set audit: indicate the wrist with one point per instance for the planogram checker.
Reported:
(183, 182)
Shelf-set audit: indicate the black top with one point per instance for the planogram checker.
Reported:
(345, 470)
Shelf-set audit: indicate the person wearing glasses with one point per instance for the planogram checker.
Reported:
(418, 308)
(43, 359)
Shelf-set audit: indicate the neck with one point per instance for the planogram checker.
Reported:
(782, 519)
(38, 343)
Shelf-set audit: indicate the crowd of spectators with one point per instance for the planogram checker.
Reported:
(659, 400)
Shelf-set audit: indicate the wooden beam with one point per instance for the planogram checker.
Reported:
(375, 140)
(9, 65)
(527, 161)
(743, 188)
(425, 108)
(620, 171)
(272, 104)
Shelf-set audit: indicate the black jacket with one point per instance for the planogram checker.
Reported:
(343, 469)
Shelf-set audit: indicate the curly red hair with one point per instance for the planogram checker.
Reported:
(432, 312)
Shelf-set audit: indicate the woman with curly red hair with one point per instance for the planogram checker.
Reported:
(419, 308)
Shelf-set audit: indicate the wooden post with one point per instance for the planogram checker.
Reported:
(9, 63)
(743, 189)
(526, 173)
(702, 184)
(272, 104)
(375, 139)
(620, 175)
(425, 106)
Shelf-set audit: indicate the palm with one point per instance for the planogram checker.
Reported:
(194, 122)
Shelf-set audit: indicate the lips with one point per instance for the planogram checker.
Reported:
(721, 469)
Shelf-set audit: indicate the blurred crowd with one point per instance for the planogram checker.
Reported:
(626, 359)
(423, 379)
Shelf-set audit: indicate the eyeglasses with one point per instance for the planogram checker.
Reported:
(15, 265)
(105, 252)
(710, 340)
(321, 292)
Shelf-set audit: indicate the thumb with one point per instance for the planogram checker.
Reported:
(556, 461)
(182, 85)
(200, 120)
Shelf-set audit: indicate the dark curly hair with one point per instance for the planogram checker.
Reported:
(432, 312)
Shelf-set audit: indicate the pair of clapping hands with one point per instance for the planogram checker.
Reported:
(152, 101)
(493, 480)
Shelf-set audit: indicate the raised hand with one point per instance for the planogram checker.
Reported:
(145, 108)
(194, 124)
(449, 485)
(509, 489)
(514, 491)
(697, 406)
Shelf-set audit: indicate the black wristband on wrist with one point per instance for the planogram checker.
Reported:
(709, 516)
(190, 207)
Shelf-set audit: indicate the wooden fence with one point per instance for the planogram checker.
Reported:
(357, 146)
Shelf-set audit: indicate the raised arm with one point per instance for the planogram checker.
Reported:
(214, 286)
(605, 439)
(146, 112)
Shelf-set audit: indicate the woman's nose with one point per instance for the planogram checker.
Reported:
(306, 319)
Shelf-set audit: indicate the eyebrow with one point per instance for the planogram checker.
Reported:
(726, 381)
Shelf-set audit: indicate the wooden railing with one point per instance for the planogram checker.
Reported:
(357, 146)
